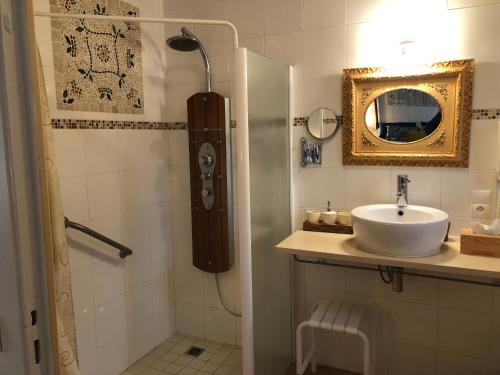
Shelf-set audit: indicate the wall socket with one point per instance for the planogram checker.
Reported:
(480, 210)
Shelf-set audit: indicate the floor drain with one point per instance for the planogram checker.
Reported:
(195, 351)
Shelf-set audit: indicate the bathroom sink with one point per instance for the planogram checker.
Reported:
(412, 231)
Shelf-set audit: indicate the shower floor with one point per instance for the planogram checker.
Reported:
(170, 357)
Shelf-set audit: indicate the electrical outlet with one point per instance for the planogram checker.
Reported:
(480, 210)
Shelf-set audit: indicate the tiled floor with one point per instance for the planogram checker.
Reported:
(170, 358)
(322, 370)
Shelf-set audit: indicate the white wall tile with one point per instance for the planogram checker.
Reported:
(366, 283)
(316, 90)
(368, 186)
(74, 197)
(486, 82)
(83, 295)
(179, 148)
(455, 364)
(464, 332)
(465, 296)
(414, 324)
(110, 320)
(113, 357)
(139, 301)
(323, 13)
(104, 194)
(478, 30)
(323, 51)
(181, 218)
(88, 365)
(219, 325)
(158, 180)
(108, 279)
(180, 180)
(70, 152)
(483, 144)
(163, 324)
(456, 193)
(190, 319)
(285, 48)
(101, 150)
(140, 340)
(86, 334)
(133, 190)
(283, 16)
(247, 17)
(412, 360)
(189, 286)
(132, 149)
(322, 185)
(332, 278)
(163, 287)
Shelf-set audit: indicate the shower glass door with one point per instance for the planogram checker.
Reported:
(268, 127)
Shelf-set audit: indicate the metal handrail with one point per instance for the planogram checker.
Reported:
(124, 251)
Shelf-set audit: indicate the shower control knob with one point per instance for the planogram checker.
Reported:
(206, 176)
(207, 160)
(206, 192)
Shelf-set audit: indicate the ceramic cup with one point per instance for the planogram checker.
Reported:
(344, 218)
(328, 217)
(313, 216)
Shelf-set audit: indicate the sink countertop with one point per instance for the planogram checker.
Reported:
(343, 247)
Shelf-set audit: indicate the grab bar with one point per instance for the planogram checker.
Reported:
(124, 251)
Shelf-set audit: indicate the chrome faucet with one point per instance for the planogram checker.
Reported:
(402, 192)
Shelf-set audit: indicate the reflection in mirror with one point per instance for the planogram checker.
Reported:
(403, 115)
(322, 123)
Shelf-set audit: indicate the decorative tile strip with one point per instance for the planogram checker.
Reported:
(486, 114)
(477, 114)
(302, 121)
(104, 124)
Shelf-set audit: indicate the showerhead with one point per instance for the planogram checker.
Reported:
(187, 42)
(183, 43)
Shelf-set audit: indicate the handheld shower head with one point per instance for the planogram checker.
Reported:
(187, 42)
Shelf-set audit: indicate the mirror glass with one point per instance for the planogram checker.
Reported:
(322, 123)
(403, 115)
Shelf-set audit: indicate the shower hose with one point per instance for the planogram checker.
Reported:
(226, 307)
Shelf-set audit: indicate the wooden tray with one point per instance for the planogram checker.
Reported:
(337, 228)
(479, 244)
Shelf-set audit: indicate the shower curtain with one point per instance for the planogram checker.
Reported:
(58, 252)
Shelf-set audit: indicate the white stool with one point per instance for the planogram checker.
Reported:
(338, 316)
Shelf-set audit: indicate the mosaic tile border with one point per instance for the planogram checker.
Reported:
(486, 114)
(302, 121)
(477, 114)
(58, 123)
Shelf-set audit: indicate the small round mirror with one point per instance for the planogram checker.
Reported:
(322, 124)
(403, 115)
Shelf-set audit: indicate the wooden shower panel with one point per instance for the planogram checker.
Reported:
(210, 234)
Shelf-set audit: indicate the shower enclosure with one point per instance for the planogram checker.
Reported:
(264, 178)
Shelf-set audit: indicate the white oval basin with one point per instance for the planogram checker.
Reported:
(379, 229)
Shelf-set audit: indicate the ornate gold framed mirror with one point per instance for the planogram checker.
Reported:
(417, 119)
